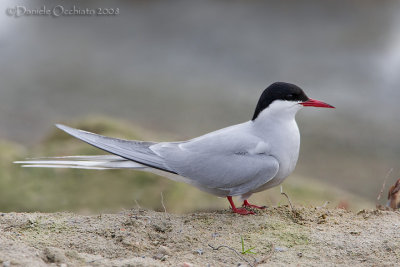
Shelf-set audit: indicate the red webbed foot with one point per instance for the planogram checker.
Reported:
(247, 204)
(241, 211)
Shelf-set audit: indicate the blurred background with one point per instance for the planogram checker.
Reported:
(173, 70)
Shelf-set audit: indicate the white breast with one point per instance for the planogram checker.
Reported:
(280, 131)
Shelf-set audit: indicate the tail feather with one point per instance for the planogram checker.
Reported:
(137, 151)
(100, 162)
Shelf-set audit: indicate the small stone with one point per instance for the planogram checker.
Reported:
(164, 258)
(54, 255)
(161, 227)
(6, 264)
(132, 244)
(187, 264)
(389, 246)
(300, 254)
(164, 250)
(280, 249)
(158, 256)
(199, 252)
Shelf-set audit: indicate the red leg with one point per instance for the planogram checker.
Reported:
(241, 211)
(247, 204)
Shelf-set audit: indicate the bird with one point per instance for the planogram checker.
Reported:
(238, 160)
(394, 196)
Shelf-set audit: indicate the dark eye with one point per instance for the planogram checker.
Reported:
(289, 97)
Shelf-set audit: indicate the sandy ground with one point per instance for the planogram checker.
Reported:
(277, 236)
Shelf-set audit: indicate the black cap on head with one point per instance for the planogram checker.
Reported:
(279, 91)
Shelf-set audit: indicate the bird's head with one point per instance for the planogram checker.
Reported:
(281, 97)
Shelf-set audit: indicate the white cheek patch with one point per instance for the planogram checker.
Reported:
(261, 148)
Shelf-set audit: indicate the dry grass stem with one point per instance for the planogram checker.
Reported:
(283, 193)
(384, 184)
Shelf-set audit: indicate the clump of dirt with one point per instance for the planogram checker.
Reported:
(275, 236)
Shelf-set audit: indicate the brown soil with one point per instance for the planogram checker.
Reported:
(277, 236)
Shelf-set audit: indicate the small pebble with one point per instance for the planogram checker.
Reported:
(280, 249)
(187, 264)
(162, 227)
(158, 256)
(164, 250)
(164, 258)
(54, 255)
(6, 264)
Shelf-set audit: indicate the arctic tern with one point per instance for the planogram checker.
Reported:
(235, 161)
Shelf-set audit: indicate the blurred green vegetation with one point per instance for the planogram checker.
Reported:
(88, 191)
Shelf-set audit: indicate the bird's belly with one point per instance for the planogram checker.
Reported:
(287, 166)
(287, 158)
(282, 174)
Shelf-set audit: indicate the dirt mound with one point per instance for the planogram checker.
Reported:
(276, 236)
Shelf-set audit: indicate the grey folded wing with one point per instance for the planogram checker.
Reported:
(235, 173)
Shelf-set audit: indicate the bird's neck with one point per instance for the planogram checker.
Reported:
(277, 117)
(276, 125)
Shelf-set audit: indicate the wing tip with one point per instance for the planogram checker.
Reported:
(62, 127)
